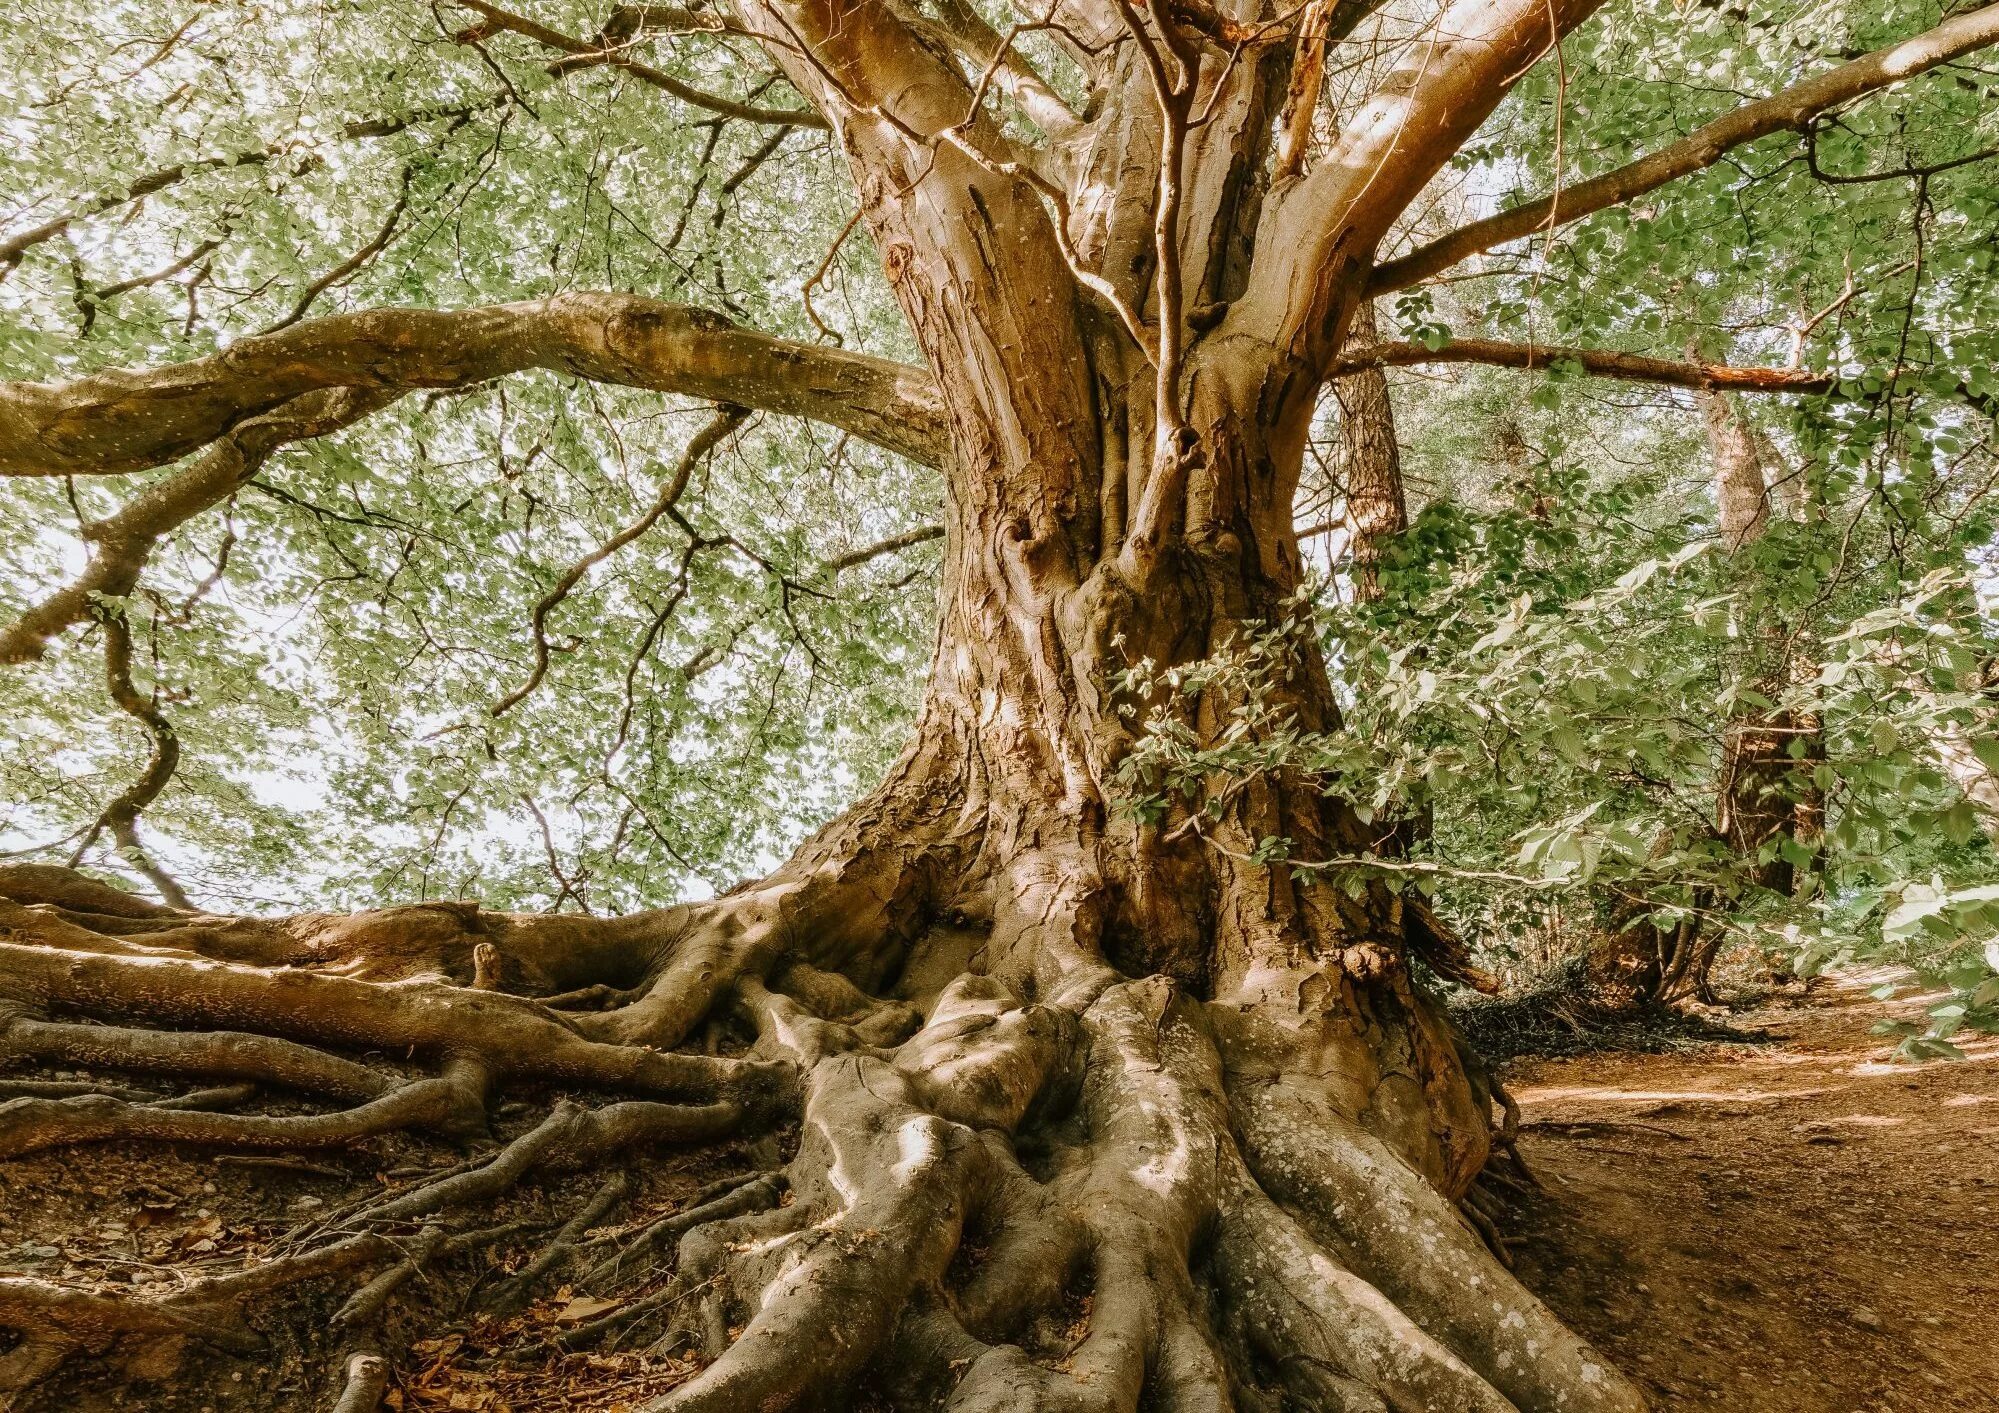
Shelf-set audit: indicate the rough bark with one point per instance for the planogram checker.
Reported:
(1764, 791)
(1370, 462)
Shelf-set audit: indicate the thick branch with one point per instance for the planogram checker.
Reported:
(1792, 109)
(130, 420)
(962, 27)
(1314, 246)
(1601, 363)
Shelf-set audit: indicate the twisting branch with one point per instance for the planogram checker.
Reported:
(121, 816)
(375, 245)
(129, 420)
(1174, 69)
(1601, 363)
(583, 54)
(717, 429)
(1793, 109)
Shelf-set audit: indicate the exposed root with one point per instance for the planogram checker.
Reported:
(563, 1248)
(515, 1038)
(195, 1054)
(432, 1244)
(736, 1197)
(366, 1381)
(1114, 1196)
(30, 1124)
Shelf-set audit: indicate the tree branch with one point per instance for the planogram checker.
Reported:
(122, 421)
(375, 245)
(1317, 239)
(963, 28)
(1601, 363)
(718, 427)
(583, 54)
(125, 541)
(854, 559)
(1793, 109)
(121, 816)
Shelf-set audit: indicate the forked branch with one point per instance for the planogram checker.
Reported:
(718, 428)
(582, 53)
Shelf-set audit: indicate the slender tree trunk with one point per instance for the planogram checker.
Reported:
(1766, 794)
(1764, 791)
(1370, 461)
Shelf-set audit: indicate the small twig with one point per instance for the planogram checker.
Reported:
(346, 268)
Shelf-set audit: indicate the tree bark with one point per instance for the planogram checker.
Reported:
(1764, 791)
(1370, 461)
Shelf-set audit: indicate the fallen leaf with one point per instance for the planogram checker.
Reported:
(581, 1308)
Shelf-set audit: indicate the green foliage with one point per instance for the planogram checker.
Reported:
(1550, 676)
(332, 686)
(1553, 684)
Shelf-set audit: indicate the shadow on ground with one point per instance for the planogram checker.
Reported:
(1799, 1226)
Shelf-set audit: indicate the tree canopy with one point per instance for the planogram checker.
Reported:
(1153, 537)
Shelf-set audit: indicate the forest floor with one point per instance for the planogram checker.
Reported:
(1801, 1225)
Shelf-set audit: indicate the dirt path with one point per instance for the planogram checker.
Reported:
(1798, 1227)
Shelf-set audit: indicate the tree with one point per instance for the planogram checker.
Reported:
(1040, 1051)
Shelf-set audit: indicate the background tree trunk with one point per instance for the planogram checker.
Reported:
(1370, 461)
(1764, 791)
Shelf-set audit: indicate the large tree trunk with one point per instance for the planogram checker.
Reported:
(1045, 1057)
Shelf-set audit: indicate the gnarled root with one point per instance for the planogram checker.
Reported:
(1116, 1195)
(1145, 1255)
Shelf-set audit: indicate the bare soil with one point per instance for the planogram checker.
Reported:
(1800, 1226)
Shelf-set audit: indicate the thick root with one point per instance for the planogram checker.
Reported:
(1042, 1187)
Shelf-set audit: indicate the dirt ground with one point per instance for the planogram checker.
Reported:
(1802, 1226)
